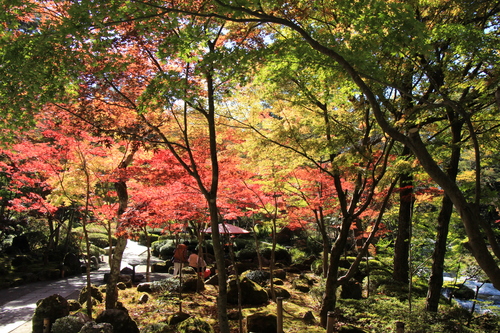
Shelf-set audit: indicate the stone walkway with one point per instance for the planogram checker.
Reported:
(18, 303)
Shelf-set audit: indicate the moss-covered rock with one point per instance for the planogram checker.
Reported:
(461, 291)
(194, 325)
(161, 267)
(261, 322)
(119, 319)
(251, 292)
(177, 318)
(68, 324)
(302, 284)
(95, 292)
(260, 277)
(52, 307)
(279, 292)
(74, 305)
(192, 283)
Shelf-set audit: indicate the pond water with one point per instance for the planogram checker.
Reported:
(488, 299)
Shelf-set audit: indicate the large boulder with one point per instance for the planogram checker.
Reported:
(280, 274)
(161, 267)
(260, 277)
(144, 287)
(279, 292)
(74, 305)
(302, 285)
(68, 324)
(95, 293)
(194, 325)
(213, 280)
(125, 278)
(192, 284)
(72, 263)
(261, 322)
(251, 292)
(461, 291)
(177, 318)
(52, 307)
(119, 319)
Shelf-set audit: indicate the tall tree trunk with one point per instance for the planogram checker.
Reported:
(148, 258)
(402, 244)
(121, 241)
(436, 278)
(50, 246)
(320, 222)
(116, 258)
(329, 300)
(211, 197)
(221, 267)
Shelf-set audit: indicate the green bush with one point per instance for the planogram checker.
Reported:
(167, 250)
(163, 248)
(317, 266)
(298, 255)
(68, 324)
(99, 240)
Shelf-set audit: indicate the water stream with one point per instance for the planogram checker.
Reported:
(488, 299)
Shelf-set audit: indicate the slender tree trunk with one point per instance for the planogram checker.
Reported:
(86, 235)
(71, 219)
(121, 242)
(402, 244)
(50, 246)
(320, 221)
(87, 266)
(221, 267)
(148, 258)
(257, 247)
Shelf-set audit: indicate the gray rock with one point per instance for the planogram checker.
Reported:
(93, 327)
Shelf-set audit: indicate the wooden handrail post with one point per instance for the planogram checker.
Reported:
(330, 322)
(279, 318)
(400, 327)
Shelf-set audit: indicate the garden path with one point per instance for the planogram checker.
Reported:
(17, 304)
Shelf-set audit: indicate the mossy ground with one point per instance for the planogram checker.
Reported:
(203, 305)
(377, 313)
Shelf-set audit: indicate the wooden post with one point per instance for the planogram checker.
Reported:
(330, 321)
(279, 302)
(46, 325)
(400, 327)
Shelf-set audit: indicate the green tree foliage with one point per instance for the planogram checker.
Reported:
(338, 83)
